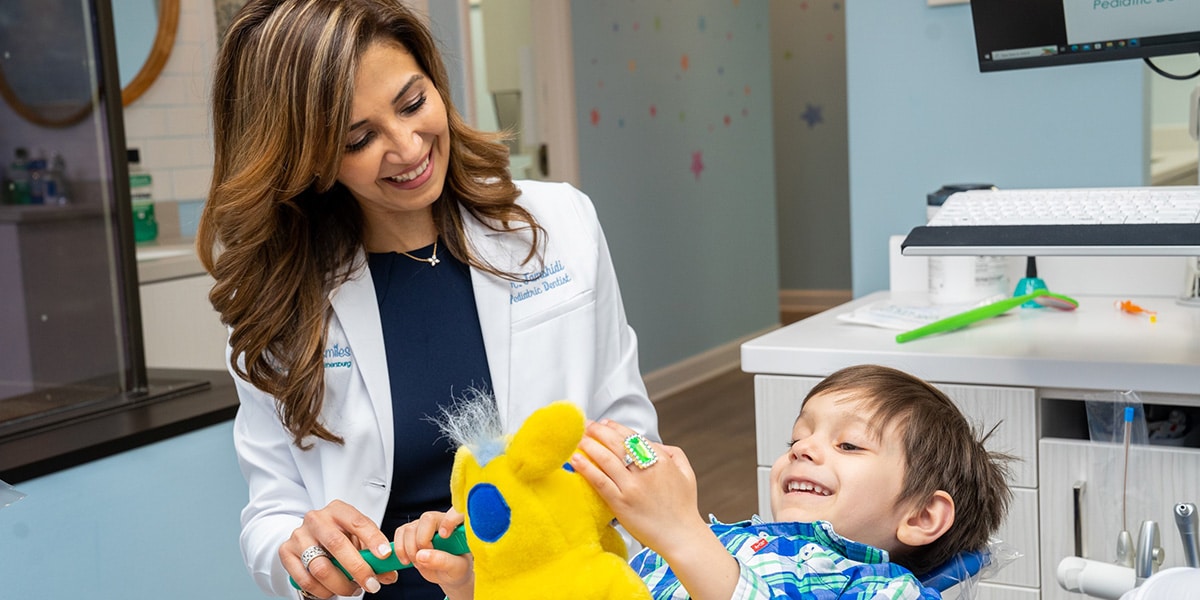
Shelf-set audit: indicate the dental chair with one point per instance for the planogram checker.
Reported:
(963, 571)
(961, 567)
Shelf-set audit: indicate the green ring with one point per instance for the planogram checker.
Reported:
(638, 448)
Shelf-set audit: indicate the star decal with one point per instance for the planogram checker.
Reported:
(812, 115)
(697, 163)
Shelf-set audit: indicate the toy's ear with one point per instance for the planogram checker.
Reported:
(464, 461)
(546, 440)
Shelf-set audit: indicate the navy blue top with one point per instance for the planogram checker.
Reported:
(435, 352)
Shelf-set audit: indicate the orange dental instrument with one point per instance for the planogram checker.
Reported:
(1129, 307)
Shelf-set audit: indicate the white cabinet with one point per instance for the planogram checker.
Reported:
(1029, 371)
(180, 329)
(1158, 476)
(777, 401)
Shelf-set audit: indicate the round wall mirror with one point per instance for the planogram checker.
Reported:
(44, 56)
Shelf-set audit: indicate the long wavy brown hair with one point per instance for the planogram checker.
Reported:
(278, 232)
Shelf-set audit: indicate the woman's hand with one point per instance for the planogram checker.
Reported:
(341, 531)
(657, 504)
(414, 545)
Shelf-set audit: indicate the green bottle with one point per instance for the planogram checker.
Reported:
(16, 185)
(141, 188)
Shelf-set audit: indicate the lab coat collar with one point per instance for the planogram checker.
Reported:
(363, 328)
(492, 300)
(364, 332)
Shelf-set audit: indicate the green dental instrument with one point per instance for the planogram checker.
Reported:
(455, 544)
(1042, 296)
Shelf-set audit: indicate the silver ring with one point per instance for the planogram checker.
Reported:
(307, 595)
(311, 553)
(628, 460)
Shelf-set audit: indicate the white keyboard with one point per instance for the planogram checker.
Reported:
(1071, 206)
(1132, 221)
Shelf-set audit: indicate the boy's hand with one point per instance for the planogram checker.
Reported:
(414, 545)
(658, 504)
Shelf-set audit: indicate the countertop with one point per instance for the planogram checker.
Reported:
(160, 260)
(167, 259)
(1173, 155)
(179, 401)
(1095, 347)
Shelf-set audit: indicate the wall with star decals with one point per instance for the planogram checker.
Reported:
(676, 151)
(921, 114)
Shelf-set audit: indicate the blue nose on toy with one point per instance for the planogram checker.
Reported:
(489, 513)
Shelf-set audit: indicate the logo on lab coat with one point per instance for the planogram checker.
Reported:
(538, 282)
(338, 357)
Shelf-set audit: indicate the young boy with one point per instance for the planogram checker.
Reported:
(864, 496)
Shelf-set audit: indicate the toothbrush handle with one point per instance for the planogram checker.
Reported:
(963, 319)
(455, 544)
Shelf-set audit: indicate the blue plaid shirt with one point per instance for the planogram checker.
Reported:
(794, 560)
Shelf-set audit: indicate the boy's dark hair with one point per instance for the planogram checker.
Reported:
(943, 451)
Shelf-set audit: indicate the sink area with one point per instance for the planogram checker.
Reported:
(164, 261)
(156, 253)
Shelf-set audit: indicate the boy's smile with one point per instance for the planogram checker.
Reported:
(839, 469)
(805, 487)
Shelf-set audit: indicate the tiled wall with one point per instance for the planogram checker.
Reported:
(170, 123)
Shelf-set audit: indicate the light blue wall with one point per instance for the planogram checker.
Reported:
(921, 114)
(160, 521)
(675, 136)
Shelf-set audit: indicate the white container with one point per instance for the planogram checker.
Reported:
(966, 279)
(963, 279)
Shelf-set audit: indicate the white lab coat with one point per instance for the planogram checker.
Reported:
(563, 336)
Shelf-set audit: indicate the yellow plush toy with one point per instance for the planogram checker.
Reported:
(536, 528)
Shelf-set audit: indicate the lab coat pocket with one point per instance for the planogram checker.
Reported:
(556, 354)
(549, 313)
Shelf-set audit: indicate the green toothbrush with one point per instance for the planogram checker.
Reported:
(455, 544)
(962, 319)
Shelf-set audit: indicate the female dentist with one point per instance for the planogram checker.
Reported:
(374, 261)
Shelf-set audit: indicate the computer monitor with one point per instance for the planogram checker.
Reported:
(1019, 34)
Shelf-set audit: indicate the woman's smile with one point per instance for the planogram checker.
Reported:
(414, 178)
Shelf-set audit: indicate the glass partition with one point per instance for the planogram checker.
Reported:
(69, 325)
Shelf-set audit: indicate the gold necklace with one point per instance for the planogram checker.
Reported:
(432, 260)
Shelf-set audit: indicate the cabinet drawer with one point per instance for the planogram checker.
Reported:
(1013, 412)
(1018, 532)
(179, 326)
(777, 401)
(1159, 478)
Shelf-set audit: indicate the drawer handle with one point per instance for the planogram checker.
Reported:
(1077, 509)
